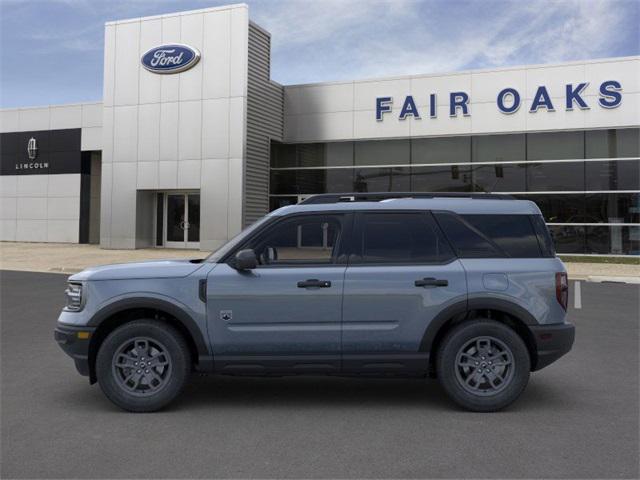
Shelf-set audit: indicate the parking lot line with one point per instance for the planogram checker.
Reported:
(577, 295)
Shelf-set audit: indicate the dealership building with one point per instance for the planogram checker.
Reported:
(193, 141)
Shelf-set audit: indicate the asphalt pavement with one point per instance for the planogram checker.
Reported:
(578, 418)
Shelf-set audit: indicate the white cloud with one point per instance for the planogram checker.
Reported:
(326, 40)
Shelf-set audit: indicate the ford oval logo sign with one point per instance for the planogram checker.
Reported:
(172, 58)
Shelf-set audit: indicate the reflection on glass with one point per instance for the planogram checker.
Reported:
(546, 177)
(175, 218)
(555, 145)
(382, 152)
(382, 180)
(454, 178)
(499, 178)
(560, 208)
(441, 150)
(568, 238)
(613, 175)
(613, 207)
(194, 218)
(499, 148)
(612, 143)
(613, 240)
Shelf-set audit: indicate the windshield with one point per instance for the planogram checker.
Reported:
(215, 256)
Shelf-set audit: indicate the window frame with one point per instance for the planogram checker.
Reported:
(346, 223)
(355, 256)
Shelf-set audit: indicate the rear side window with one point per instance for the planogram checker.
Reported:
(468, 241)
(514, 234)
(401, 238)
(544, 237)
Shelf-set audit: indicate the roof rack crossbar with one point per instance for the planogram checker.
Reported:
(379, 196)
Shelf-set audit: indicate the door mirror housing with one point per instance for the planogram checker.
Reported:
(245, 260)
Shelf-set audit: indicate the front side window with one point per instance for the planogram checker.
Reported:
(401, 238)
(300, 241)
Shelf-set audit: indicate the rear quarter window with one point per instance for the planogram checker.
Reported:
(514, 234)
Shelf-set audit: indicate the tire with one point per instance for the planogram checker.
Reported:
(483, 365)
(143, 365)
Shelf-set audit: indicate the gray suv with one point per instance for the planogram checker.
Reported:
(465, 288)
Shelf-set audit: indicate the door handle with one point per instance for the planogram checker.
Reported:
(314, 283)
(431, 282)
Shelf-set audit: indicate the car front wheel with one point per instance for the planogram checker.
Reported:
(483, 365)
(143, 365)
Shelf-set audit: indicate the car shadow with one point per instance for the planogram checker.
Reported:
(211, 391)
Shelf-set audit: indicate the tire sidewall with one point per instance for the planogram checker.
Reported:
(446, 365)
(176, 349)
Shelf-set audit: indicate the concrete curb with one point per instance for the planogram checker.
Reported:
(616, 279)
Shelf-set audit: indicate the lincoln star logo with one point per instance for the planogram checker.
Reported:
(32, 148)
(172, 58)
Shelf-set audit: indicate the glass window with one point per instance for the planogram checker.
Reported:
(560, 208)
(613, 208)
(499, 178)
(568, 238)
(544, 237)
(339, 154)
(513, 233)
(283, 155)
(545, 177)
(382, 152)
(311, 154)
(302, 240)
(613, 240)
(452, 178)
(467, 240)
(499, 148)
(613, 175)
(624, 142)
(441, 150)
(402, 238)
(395, 179)
(555, 145)
(279, 202)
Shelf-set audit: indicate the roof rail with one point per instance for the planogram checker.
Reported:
(379, 196)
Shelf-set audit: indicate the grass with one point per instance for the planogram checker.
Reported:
(618, 260)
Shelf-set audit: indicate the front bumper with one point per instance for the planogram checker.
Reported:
(552, 342)
(75, 343)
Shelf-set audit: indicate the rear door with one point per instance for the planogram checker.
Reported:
(401, 274)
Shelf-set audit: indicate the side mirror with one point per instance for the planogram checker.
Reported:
(245, 260)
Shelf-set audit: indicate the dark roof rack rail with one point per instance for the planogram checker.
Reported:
(378, 196)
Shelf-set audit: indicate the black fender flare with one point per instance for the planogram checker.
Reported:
(205, 361)
(462, 308)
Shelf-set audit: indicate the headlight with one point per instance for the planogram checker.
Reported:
(74, 297)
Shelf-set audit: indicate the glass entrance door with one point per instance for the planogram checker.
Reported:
(182, 220)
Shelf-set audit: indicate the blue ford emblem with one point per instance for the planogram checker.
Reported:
(172, 58)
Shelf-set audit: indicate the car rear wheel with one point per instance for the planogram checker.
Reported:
(142, 366)
(483, 365)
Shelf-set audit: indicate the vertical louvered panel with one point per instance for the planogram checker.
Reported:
(265, 120)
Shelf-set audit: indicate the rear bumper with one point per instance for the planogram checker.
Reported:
(552, 342)
(77, 347)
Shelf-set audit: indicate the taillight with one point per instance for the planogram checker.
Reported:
(562, 289)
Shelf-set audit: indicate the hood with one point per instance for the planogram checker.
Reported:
(139, 270)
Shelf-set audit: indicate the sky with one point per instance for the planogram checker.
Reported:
(51, 51)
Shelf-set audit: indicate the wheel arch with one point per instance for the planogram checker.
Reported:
(127, 310)
(503, 311)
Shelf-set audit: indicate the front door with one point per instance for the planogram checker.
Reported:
(401, 275)
(182, 220)
(285, 315)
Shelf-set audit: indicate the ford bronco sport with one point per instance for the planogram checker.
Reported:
(466, 288)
